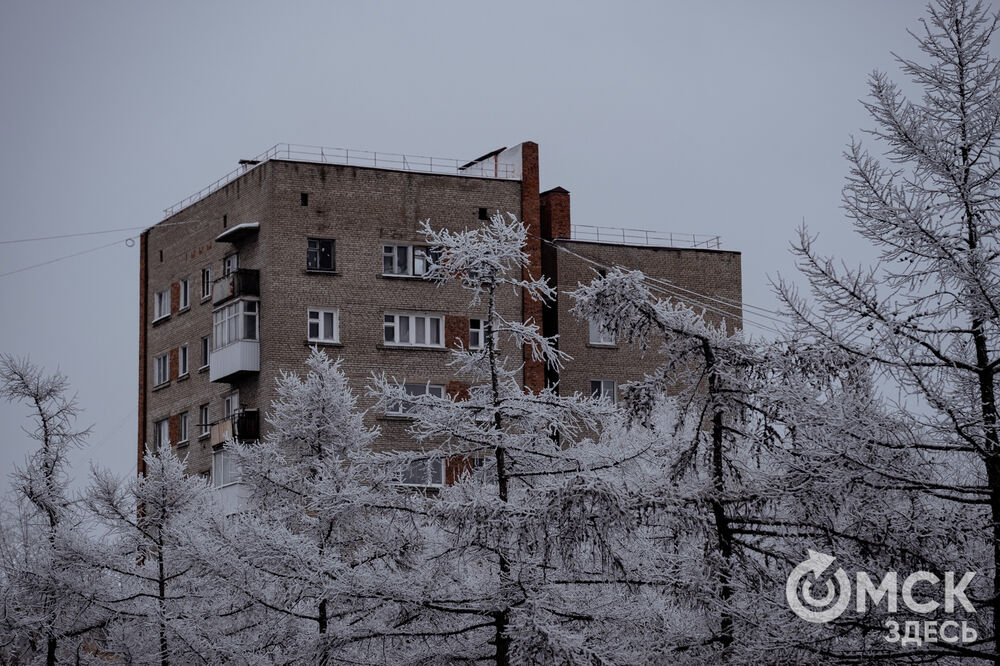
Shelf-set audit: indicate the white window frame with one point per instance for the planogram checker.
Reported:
(400, 409)
(161, 369)
(230, 264)
(321, 320)
(225, 470)
(206, 283)
(183, 360)
(480, 330)
(432, 473)
(161, 434)
(231, 404)
(392, 322)
(183, 427)
(206, 351)
(606, 389)
(185, 294)
(205, 419)
(599, 336)
(236, 321)
(414, 256)
(161, 305)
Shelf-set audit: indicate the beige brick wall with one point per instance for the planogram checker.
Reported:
(358, 208)
(715, 273)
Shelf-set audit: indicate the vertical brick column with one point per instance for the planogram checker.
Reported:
(555, 223)
(534, 371)
(143, 318)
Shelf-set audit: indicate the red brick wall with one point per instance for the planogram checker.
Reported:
(458, 390)
(456, 329)
(534, 371)
(143, 315)
(174, 363)
(555, 213)
(175, 297)
(175, 429)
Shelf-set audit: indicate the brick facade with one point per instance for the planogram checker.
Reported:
(360, 209)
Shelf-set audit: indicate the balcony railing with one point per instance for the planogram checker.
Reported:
(241, 282)
(243, 426)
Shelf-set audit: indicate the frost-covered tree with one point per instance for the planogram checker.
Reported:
(926, 316)
(533, 553)
(311, 553)
(160, 607)
(45, 610)
(764, 455)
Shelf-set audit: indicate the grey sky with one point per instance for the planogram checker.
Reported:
(722, 117)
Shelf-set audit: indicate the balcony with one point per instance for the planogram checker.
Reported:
(243, 426)
(236, 358)
(241, 282)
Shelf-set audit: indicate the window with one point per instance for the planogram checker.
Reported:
(231, 404)
(484, 214)
(161, 434)
(603, 388)
(182, 361)
(404, 260)
(185, 294)
(599, 336)
(413, 330)
(206, 283)
(319, 254)
(401, 408)
(161, 304)
(182, 428)
(234, 322)
(205, 420)
(230, 264)
(303, 198)
(424, 473)
(477, 333)
(161, 370)
(205, 351)
(324, 325)
(225, 470)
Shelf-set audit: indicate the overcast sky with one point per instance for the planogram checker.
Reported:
(721, 117)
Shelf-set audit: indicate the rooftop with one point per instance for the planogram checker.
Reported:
(490, 165)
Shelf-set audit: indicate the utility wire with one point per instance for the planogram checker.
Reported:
(672, 290)
(96, 233)
(67, 256)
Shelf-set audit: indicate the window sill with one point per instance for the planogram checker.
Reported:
(183, 443)
(203, 368)
(160, 387)
(321, 271)
(205, 298)
(323, 343)
(410, 348)
(184, 377)
(186, 308)
(160, 320)
(601, 345)
(391, 276)
(395, 417)
(205, 435)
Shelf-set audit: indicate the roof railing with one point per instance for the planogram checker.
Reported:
(642, 237)
(351, 157)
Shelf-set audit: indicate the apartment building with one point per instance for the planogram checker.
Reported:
(306, 246)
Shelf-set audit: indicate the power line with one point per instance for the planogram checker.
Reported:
(67, 256)
(671, 290)
(96, 233)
